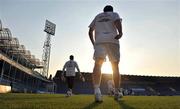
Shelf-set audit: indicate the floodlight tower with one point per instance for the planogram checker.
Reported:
(50, 30)
(0, 25)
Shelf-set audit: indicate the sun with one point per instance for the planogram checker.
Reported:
(106, 68)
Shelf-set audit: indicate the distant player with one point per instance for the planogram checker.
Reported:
(107, 30)
(70, 74)
(111, 89)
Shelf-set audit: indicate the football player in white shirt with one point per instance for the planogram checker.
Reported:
(70, 74)
(104, 32)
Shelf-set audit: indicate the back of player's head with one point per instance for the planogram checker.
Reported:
(71, 57)
(108, 8)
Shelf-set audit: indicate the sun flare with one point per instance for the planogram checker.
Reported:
(106, 68)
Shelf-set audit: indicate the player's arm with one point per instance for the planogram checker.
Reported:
(62, 74)
(119, 28)
(91, 35)
(77, 67)
(80, 74)
(64, 67)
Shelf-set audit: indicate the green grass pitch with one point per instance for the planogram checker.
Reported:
(59, 101)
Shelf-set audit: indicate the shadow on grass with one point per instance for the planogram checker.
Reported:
(92, 105)
(123, 105)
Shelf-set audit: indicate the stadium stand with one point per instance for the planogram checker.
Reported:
(17, 66)
(131, 84)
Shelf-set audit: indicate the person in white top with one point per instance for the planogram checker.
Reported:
(104, 32)
(70, 73)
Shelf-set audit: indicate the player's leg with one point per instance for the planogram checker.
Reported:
(114, 57)
(69, 86)
(97, 72)
(72, 83)
(99, 56)
(96, 76)
(117, 79)
(116, 75)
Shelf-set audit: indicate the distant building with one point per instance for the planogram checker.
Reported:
(131, 84)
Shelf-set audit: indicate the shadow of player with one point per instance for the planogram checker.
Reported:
(123, 105)
(92, 105)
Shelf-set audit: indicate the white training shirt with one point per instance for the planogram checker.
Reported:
(70, 68)
(105, 29)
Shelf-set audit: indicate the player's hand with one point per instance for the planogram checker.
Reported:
(118, 36)
(82, 78)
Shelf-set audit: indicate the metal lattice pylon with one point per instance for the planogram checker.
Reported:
(46, 55)
(50, 30)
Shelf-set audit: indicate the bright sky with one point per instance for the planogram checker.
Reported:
(150, 44)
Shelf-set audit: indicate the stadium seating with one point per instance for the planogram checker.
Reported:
(17, 65)
(131, 84)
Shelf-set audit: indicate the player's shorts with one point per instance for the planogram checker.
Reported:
(107, 49)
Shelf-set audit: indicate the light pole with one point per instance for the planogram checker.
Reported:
(50, 30)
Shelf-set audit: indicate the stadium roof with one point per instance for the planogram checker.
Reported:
(22, 68)
(12, 45)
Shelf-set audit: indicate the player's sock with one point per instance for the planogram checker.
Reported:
(96, 89)
(97, 92)
(70, 92)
